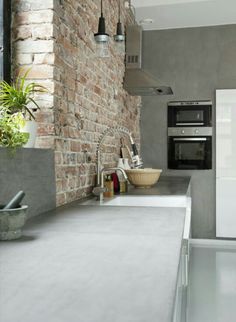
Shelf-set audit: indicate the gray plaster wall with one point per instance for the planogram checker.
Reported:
(30, 170)
(195, 62)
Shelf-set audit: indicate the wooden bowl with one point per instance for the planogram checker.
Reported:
(143, 178)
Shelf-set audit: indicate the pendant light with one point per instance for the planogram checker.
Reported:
(119, 37)
(101, 37)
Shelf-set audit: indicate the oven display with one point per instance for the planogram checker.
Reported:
(189, 114)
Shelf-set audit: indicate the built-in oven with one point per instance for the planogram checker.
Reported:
(190, 148)
(190, 113)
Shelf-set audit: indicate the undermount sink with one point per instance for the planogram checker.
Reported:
(178, 201)
(141, 201)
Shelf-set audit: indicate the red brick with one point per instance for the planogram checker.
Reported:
(85, 95)
(75, 146)
(61, 199)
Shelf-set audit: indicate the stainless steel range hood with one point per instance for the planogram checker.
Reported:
(138, 81)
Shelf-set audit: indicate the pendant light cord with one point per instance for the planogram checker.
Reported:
(119, 10)
(101, 9)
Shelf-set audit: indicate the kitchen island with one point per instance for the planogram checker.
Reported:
(93, 264)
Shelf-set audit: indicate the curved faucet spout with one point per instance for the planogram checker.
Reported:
(136, 160)
(113, 130)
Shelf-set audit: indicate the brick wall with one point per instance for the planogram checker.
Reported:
(33, 47)
(85, 92)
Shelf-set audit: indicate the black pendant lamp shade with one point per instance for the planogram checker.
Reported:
(119, 30)
(101, 35)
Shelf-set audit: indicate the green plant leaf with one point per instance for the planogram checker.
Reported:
(10, 134)
(29, 111)
(22, 79)
(16, 96)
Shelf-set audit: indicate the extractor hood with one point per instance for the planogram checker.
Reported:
(138, 81)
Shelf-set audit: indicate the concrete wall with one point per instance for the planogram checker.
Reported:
(30, 170)
(195, 62)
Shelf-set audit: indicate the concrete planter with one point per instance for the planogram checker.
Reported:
(31, 128)
(11, 222)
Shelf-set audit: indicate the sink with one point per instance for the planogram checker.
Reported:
(141, 201)
(149, 201)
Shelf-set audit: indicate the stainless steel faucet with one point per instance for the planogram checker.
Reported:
(98, 190)
(136, 160)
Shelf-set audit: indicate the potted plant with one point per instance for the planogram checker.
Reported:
(10, 130)
(16, 98)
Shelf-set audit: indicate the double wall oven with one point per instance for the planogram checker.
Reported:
(190, 135)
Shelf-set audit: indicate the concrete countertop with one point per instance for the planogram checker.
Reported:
(166, 186)
(93, 264)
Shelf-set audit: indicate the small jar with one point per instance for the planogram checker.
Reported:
(123, 186)
(108, 184)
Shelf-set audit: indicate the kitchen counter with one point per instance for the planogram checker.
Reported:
(93, 264)
(169, 191)
(166, 186)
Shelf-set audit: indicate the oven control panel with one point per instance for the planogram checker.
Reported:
(190, 131)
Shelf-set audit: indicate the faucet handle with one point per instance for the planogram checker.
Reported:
(98, 190)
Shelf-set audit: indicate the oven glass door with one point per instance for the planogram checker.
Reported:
(189, 115)
(190, 153)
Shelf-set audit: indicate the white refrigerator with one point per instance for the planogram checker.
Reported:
(226, 163)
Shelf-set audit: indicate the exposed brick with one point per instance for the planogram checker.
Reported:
(45, 129)
(22, 32)
(44, 71)
(45, 142)
(28, 5)
(42, 31)
(49, 84)
(45, 58)
(45, 116)
(58, 158)
(34, 46)
(75, 146)
(61, 199)
(24, 59)
(34, 17)
(85, 93)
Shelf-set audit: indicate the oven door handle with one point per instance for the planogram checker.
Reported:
(189, 123)
(190, 139)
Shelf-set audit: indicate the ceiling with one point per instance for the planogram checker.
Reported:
(168, 14)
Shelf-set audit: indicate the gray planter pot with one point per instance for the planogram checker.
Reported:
(11, 222)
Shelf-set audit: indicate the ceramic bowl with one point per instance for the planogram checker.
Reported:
(143, 178)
